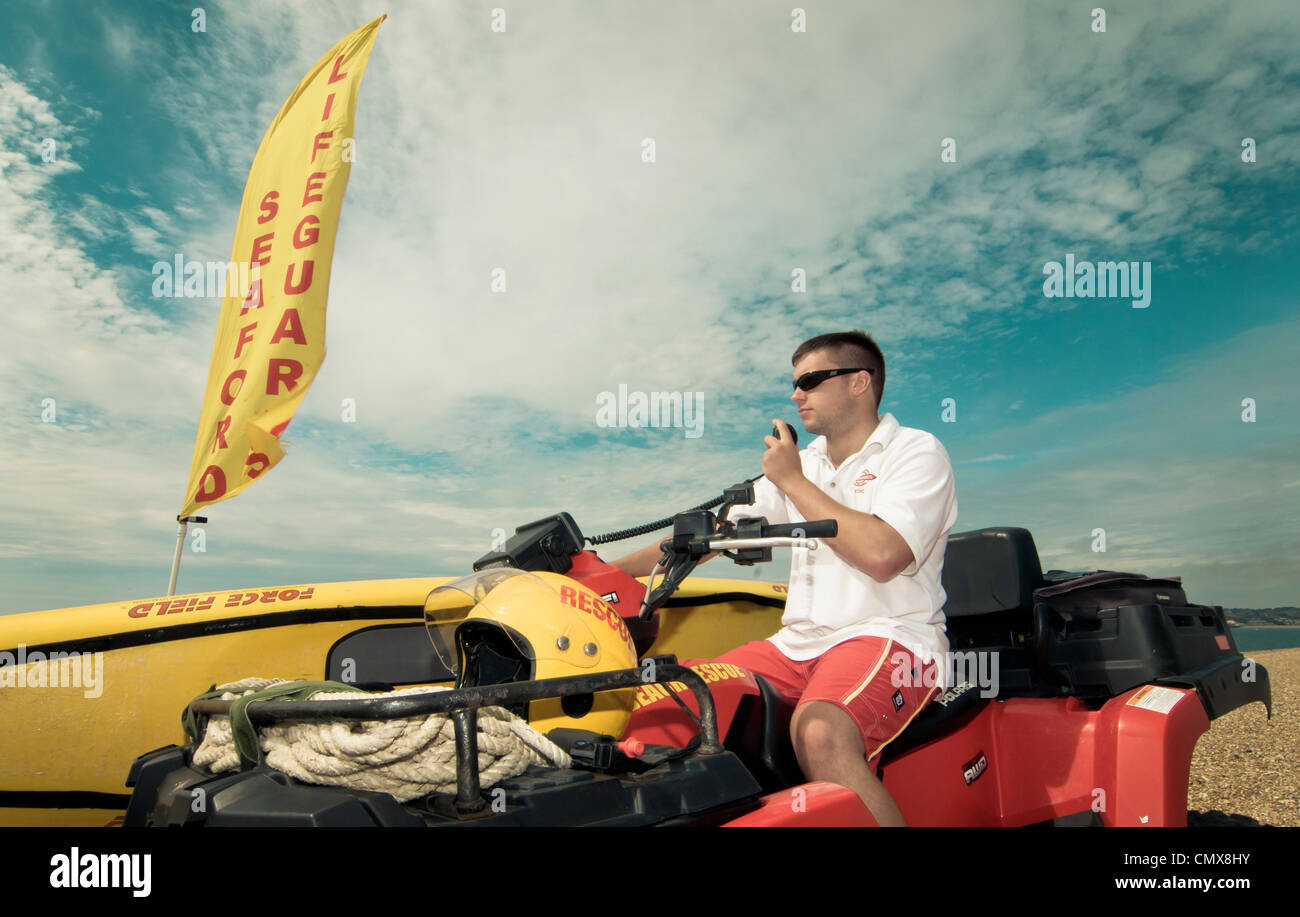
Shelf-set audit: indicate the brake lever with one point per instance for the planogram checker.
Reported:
(681, 554)
(676, 570)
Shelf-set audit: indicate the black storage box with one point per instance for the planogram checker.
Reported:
(1092, 634)
(1102, 633)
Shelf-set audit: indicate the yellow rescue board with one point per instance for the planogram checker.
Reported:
(103, 684)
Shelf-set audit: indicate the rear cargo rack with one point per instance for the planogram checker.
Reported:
(463, 705)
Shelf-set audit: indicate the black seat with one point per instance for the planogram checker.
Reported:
(990, 571)
(760, 737)
(949, 711)
(990, 576)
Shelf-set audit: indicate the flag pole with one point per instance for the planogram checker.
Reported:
(180, 543)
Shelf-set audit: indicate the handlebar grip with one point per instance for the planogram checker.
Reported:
(823, 528)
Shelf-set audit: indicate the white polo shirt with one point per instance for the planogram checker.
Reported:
(904, 477)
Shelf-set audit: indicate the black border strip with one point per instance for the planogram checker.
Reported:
(62, 799)
(190, 631)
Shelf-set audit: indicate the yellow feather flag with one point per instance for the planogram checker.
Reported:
(271, 339)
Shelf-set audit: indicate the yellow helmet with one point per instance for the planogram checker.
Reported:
(503, 625)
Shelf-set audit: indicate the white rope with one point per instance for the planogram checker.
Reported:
(408, 757)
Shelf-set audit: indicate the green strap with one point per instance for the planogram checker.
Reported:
(241, 727)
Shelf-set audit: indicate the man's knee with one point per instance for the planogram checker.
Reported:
(822, 731)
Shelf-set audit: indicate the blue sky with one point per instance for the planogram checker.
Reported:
(775, 151)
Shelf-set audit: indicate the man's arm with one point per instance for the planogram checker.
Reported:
(640, 563)
(867, 542)
(908, 515)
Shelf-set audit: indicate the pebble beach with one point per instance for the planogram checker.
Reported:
(1247, 764)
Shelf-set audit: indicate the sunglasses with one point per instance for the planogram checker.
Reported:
(809, 381)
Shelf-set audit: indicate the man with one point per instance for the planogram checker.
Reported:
(863, 633)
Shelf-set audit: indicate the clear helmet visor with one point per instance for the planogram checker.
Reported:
(528, 609)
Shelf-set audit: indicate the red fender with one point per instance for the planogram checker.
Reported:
(1026, 760)
(813, 805)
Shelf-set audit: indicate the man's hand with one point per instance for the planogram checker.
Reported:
(781, 463)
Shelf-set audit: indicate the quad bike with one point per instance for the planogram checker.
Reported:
(1090, 716)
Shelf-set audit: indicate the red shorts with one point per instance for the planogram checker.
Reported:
(872, 679)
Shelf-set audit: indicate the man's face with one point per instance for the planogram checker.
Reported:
(831, 407)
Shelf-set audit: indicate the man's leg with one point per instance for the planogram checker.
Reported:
(829, 746)
(861, 694)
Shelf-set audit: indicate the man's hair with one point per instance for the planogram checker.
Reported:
(849, 348)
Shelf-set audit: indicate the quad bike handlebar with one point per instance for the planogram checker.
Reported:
(553, 542)
(697, 534)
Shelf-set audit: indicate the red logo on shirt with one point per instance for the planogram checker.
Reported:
(864, 478)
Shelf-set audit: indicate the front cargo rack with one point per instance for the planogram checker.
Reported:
(463, 705)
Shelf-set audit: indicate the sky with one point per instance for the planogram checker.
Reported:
(920, 164)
